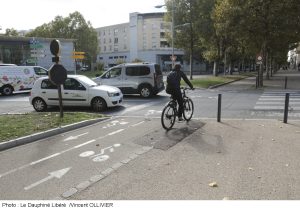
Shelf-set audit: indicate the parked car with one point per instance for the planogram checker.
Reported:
(77, 90)
(15, 78)
(145, 79)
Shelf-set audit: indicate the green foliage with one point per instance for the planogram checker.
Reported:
(11, 32)
(72, 27)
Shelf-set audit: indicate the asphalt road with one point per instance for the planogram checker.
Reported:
(236, 104)
(61, 166)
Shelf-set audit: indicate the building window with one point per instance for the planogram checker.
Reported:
(116, 41)
(116, 31)
(116, 48)
(104, 49)
(110, 57)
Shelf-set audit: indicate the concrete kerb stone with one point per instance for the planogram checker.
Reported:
(226, 83)
(48, 133)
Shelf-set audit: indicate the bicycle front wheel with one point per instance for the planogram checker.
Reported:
(188, 109)
(168, 117)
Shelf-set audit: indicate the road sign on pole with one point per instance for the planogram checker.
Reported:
(78, 55)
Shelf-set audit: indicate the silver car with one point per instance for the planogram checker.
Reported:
(145, 79)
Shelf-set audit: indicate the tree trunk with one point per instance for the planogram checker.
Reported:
(215, 71)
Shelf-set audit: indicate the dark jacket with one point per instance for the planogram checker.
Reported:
(175, 86)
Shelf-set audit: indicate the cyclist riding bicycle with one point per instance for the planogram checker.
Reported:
(173, 87)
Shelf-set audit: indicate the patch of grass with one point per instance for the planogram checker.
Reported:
(17, 125)
(209, 81)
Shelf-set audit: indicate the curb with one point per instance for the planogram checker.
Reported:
(226, 83)
(48, 133)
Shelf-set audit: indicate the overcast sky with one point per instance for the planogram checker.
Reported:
(28, 14)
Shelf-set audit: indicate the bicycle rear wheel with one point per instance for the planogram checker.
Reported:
(188, 109)
(168, 117)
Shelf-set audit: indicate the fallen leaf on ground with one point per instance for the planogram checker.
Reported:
(250, 169)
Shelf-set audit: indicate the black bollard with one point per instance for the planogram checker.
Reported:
(219, 107)
(286, 107)
(285, 83)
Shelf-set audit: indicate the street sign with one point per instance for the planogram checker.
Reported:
(37, 51)
(58, 74)
(78, 55)
(32, 46)
(259, 59)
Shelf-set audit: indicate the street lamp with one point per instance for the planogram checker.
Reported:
(172, 43)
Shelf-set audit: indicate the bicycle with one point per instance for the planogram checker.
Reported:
(170, 112)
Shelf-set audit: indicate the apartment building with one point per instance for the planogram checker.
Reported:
(143, 38)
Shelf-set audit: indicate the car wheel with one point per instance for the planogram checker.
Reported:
(39, 105)
(7, 90)
(146, 91)
(99, 104)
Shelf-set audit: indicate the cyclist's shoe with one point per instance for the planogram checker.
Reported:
(180, 119)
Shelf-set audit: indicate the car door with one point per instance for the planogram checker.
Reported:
(113, 77)
(74, 93)
(48, 92)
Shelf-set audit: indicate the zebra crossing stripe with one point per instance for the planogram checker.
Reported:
(271, 101)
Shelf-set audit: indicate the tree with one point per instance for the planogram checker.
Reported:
(72, 27)
(256, 26)
(11, 32)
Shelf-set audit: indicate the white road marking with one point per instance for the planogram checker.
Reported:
(137, 124)
(55, 174)
(88, 142)
(59, 153)
(115, 132)
(45, 158)
(75, 137)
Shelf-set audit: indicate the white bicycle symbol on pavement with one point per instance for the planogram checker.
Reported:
(100, 157)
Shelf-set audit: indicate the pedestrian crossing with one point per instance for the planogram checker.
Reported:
(275, 101)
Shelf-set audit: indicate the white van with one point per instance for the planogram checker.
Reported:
(16, 78)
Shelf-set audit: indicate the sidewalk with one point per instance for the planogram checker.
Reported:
(235, 160)
(231, 160)
(276, 82)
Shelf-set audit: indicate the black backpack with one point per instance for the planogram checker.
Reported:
(171, 82)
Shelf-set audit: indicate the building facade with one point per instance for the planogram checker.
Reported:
(35, 51)
(144, 38)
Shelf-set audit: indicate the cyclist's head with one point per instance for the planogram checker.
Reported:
(177, 67)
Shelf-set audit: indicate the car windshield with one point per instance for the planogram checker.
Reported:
(88, 81)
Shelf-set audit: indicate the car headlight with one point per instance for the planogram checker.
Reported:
(111, 94)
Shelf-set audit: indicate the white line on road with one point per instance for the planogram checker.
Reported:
(115, 132)
(55, 174)
(75, 137)
(59, 153)
(45, 158)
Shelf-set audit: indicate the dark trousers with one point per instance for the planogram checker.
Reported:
(178, 97)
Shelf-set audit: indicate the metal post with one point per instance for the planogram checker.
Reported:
(286, 107)
(219, 107)
(285, 83)
(173, 61)
(256, 82)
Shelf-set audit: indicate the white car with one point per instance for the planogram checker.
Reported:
(77, 90)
